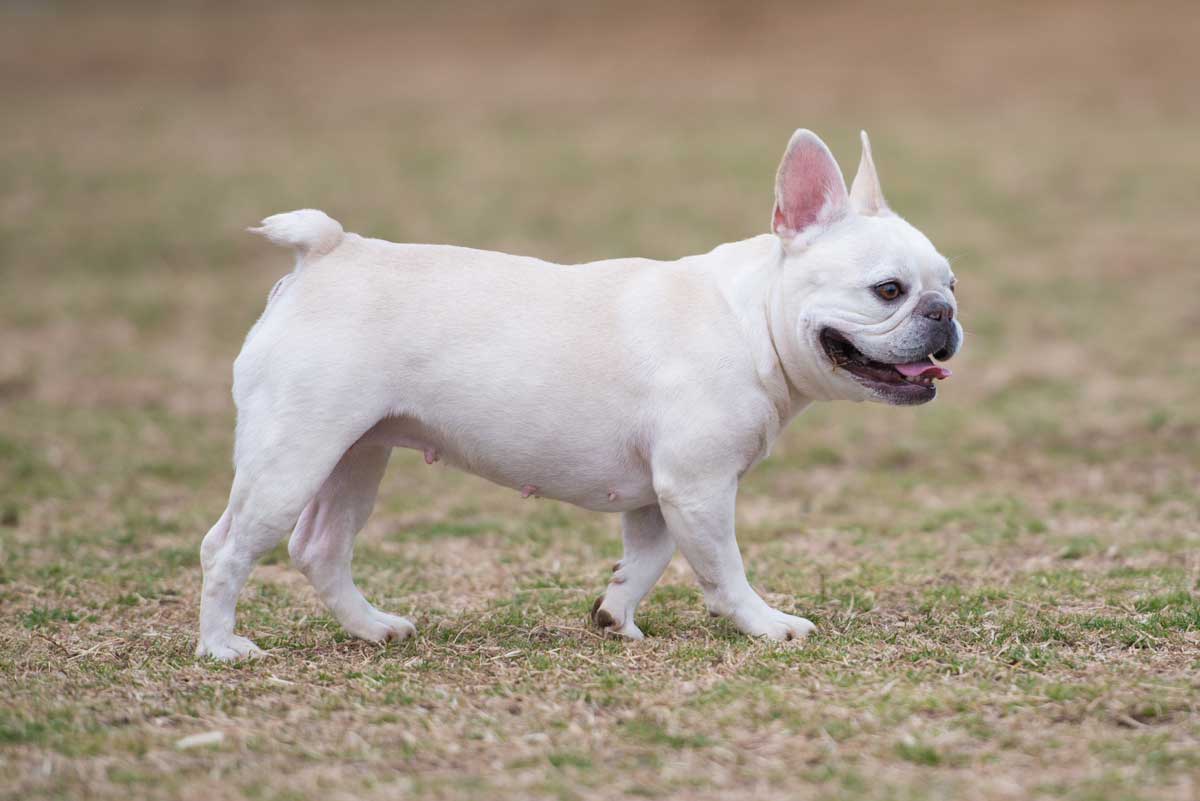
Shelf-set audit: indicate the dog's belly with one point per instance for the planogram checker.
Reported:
(603, 478)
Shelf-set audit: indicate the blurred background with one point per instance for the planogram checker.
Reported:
(1050, 149)
(1047, 148)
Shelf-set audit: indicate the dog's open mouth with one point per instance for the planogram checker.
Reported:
(907, 383)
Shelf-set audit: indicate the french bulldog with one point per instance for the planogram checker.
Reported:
(640, 387)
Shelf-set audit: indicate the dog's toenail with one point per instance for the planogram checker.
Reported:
(605, 620)
(601, 617)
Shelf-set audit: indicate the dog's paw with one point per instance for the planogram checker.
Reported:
(773, 624)
(616, 625)
(228, 650)
(381, 627)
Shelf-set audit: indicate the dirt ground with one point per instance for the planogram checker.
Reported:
(1006, 582)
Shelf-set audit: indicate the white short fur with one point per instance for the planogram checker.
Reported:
(634, 386)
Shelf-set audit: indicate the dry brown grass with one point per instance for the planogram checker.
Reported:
(1006, 583)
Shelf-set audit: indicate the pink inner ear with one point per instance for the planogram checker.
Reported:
(809, 182)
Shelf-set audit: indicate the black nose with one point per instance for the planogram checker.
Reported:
(935, 307)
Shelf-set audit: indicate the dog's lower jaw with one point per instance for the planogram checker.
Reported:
(904, 398)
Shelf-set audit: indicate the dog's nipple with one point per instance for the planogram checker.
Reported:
(528, 490)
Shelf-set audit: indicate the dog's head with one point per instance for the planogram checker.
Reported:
(868, 300)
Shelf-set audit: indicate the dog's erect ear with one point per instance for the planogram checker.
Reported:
(809, 188)
(865, 193)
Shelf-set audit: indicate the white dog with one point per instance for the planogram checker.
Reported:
(634, 386)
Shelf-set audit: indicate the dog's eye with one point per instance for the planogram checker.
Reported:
(889, 290)
(953, 283)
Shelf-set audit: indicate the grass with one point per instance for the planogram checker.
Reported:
(1005, 582)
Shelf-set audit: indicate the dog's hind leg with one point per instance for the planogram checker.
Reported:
(648, 551)
(323, 543)
(271, 487)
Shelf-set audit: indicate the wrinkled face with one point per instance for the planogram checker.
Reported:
(871, 300)
(876, 301)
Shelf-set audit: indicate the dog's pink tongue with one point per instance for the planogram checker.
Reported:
(922, 368)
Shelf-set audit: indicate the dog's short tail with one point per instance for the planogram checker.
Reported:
(308, 231)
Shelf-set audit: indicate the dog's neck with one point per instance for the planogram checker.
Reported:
(749, 274)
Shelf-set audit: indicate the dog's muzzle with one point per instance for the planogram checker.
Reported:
(936, 315)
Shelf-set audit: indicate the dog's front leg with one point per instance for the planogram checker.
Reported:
(648, 551)
(700, 517)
